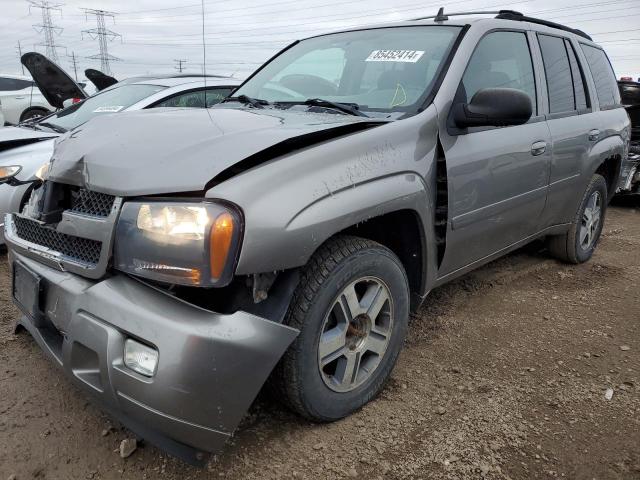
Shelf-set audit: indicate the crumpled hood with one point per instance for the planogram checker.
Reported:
(179, 150)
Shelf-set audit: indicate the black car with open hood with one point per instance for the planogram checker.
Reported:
(99, 79)
(53, 81)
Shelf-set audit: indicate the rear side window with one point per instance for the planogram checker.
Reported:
(578, 78)
(603, 76)
(557, 70)
(501, 60)
(13, 84)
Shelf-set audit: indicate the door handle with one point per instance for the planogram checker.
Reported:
(594, 135)
(20, 97)
(538, 148)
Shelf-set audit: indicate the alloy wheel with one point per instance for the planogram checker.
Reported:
(355, 334)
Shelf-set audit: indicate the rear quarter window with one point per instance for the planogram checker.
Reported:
(603, 76)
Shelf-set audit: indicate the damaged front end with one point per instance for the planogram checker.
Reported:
(176, 373)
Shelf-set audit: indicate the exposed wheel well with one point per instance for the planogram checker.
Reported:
(610, 170)
(24, 114)
(402, 233)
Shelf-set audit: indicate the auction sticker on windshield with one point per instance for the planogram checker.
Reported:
(408, 56)
(109, 109)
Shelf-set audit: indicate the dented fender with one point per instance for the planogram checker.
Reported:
(292, 205)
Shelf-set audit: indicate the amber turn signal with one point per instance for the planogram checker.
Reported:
(220, 243)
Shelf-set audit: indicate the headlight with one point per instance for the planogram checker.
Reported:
(178, 242)
(9, 171)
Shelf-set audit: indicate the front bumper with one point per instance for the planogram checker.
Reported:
(210, 366)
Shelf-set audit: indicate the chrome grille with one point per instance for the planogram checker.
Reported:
(92, 203)
(75, 248)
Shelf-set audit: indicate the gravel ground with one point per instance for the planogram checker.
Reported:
(504, 375)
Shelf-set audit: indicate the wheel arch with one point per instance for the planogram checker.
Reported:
(606, 160)
(34, 108)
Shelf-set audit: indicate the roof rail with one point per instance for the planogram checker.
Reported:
(517, 16)
(442, 17)
(504, 15)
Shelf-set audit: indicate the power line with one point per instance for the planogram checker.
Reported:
(74, 62)
(19, 50)
(179, 65)
(47, 28)
(103, 35)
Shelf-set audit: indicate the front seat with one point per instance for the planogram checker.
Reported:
(480, 75)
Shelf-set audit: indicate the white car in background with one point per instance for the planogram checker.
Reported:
(1, 115)
(21, 99)
(26, 149)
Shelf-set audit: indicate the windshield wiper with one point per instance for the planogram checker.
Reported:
(348, 108)
(254, 102)
(55, 128)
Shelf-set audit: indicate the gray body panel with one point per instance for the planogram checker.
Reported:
(310, 176)
(123, 155)
(210, 369)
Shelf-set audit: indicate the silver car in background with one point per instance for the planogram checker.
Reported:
(29, 145)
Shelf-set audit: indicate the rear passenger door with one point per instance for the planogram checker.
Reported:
(497, 177)
(573, 125)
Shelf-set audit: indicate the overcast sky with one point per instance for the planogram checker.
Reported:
(241, 34)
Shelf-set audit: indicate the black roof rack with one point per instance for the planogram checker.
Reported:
(505, 15)
(443, 17)
(511, 15)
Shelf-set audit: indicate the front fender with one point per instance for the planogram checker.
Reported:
(294, 203)
(293, 244)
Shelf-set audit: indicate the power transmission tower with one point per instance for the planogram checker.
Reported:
(19, 50)
(179, 65)
(47, 27)
(74, 62)
(103, 35)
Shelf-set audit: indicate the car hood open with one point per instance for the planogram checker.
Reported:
(99, 79)
(53, 82)
(164, 151)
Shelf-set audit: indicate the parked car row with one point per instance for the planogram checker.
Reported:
(172, 260)
(21, 100)
(29, 146)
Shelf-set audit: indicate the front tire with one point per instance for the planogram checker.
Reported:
(579, 243)
(352, 309)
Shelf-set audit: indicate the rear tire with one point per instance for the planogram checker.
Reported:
(352, 310)
(579, 243)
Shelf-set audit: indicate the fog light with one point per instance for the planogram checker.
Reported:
(140, 358)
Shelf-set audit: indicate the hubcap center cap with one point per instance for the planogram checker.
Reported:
(357, 331)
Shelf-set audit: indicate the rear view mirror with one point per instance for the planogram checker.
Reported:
(494, 107)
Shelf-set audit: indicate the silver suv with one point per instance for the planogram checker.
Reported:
(173, 261)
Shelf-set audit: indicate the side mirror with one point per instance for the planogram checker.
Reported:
(494, 107)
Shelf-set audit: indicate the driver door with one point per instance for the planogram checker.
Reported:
(497, 177)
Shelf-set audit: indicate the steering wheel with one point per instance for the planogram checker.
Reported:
(280, 89)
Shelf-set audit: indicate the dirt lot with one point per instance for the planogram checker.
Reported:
(504, 375)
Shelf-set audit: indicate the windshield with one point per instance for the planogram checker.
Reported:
(113, 100)
(384, 69)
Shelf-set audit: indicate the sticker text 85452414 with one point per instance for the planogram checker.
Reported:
(408, 56)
